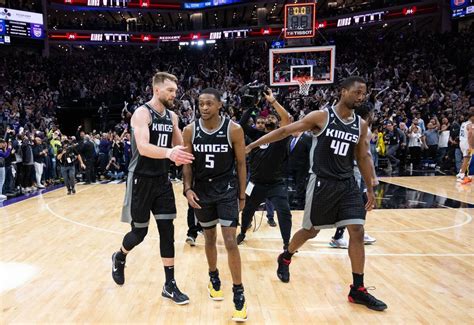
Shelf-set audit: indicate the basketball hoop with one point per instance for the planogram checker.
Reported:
(304, 86)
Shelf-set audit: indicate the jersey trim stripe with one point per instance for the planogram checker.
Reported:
(217, 129)
(340, 119)
(228, 134)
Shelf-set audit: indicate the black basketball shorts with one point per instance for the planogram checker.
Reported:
(219, 203)
(333, 203)
(145, 194)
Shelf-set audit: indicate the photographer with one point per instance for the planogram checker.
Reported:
(266, 166)
(67, 156)
(113, 170)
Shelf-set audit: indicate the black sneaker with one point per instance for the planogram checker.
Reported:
(283, 270)
(117, 270)
(73, 191)
(172, 292)
(240, 306)
(271, 222)
(361, 296)
(240, 238)
(68, 192)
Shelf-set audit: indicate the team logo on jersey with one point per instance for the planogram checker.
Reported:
(338, 134)
(220, 134)
(162, 127)
(334, 122)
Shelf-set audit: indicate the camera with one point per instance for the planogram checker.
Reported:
(252, 93)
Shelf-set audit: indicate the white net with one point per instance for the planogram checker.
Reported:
(304, 87)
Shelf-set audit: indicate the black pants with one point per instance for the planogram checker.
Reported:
(415, 154)
(193, 225)
(300, 177)
(278, 194)
(90, 170)
(27, 171)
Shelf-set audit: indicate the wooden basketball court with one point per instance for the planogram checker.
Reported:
(55, 265)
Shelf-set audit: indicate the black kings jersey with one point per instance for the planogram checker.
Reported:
(267, 162)
(332, 152)
(213, 153)
(161, 135)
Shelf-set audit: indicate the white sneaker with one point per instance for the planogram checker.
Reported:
(338, 243)
(191, 241)
(41, 186)
(3, 197)
(459, 177)
(369, 240)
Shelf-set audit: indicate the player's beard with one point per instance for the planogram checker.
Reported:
(166, 103)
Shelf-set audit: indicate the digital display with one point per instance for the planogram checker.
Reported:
(462, 8)
(150, 4)
(348, 21)
(299, 20)
(17, 23)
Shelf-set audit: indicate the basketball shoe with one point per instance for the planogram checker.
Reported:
(361, 296)
(240, 306)
(118, 270)
(172, 292)
(338, 243)
(283, 271)
(214, 287)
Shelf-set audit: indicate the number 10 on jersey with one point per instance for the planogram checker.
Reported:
(162, 140)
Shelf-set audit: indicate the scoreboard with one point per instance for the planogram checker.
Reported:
(300, 20)
(21, 24)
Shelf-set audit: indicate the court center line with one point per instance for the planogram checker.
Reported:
(268, 250)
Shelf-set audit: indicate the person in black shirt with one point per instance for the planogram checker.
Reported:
(333, 197)
(67, 156)
(266, 172)
(213, 189)
(87, 151)
(298, 165)
(156, 139)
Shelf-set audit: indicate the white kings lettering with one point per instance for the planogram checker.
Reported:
(338, 134)
(211, 147)
(162, 127)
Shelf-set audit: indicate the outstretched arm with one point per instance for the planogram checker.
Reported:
(187, 169)
(314, 120)
(281, 111)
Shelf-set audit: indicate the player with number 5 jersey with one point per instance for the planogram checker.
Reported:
(214, 185)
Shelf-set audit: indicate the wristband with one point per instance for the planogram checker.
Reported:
(186, 191)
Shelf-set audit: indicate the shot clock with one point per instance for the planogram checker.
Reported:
(300, 20)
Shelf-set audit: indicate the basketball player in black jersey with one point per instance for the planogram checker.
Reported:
(156, 139)
(333, 198)
(214, 191)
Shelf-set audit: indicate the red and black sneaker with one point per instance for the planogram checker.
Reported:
(361, 296)
(283, 270)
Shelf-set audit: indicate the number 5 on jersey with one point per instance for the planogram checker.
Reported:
(209, 161)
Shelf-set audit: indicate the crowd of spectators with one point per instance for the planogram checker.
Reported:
(421, 86)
